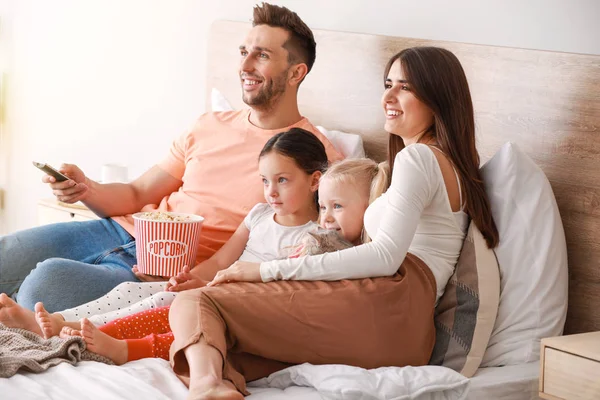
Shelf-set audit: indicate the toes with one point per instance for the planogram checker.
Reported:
(39, 308)
(46, 331)
(87, 326)
(5, 301)
(43, 321)
(67, 332)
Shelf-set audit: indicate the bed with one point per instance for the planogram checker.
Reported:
(548, 103)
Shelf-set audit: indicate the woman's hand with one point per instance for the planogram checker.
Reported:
(239, 271)
(148, 278)
(185, 280)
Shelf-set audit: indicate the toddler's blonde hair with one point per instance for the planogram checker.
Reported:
(370, 177)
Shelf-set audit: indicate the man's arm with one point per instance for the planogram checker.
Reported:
(113, 199)
(119, 199)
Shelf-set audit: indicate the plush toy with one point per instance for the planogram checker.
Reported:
(319, 242)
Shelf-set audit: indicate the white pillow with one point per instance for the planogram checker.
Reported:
(218, 102)
(348, 144)
(342, 382)
(532, 255)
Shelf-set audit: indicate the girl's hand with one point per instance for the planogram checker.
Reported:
(185, 280)
(148, 278)
(239, 271)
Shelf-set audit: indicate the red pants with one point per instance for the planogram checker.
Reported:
(147, 333)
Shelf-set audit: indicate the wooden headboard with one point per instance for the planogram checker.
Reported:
(546, 102)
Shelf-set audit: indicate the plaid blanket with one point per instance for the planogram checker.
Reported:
(22, 349)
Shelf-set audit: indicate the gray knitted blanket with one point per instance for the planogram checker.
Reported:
(22, 349)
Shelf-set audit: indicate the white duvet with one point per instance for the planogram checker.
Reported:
(153, 379)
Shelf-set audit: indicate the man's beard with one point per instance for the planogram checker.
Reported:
(269, 94)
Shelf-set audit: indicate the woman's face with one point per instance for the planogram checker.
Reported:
(406, 116)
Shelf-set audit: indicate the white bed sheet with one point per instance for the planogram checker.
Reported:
(153, 379)
(514, 382)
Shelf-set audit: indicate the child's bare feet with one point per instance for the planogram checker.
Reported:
(67, 332)
(49, 324)
(209, 388)
(16, 316)
(103, 344)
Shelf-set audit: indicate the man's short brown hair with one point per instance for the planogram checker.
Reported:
(301, 45)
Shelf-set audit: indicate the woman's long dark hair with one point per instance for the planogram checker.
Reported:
(437, 78)
(301, 146)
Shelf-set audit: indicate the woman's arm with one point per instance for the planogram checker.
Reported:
(413, 184)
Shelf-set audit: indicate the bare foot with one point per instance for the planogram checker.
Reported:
(103, 344)
(16, 316)
(50, 324)
(210, 388)
(66, 332)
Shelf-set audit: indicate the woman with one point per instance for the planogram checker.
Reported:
(230, 333)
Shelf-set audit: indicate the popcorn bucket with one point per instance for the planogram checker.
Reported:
(166, 241)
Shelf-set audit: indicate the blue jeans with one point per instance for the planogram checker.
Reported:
(67, 264)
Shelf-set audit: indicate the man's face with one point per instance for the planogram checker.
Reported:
(264, 66)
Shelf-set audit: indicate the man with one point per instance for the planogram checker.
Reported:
(210, 171)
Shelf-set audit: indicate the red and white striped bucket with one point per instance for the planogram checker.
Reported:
(166, 241)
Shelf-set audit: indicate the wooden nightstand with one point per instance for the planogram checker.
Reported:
(570, 367)
(51, 211)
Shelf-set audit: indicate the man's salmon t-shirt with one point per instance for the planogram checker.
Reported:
(217, 161)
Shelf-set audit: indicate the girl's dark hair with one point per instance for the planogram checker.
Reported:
(438, 80)
(301, 146)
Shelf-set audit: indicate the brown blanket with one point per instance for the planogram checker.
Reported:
(22, 349)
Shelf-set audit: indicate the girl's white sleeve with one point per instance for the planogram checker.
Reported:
(411, 190)
(256, 214)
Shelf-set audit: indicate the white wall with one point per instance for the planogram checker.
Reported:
(92, 82)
